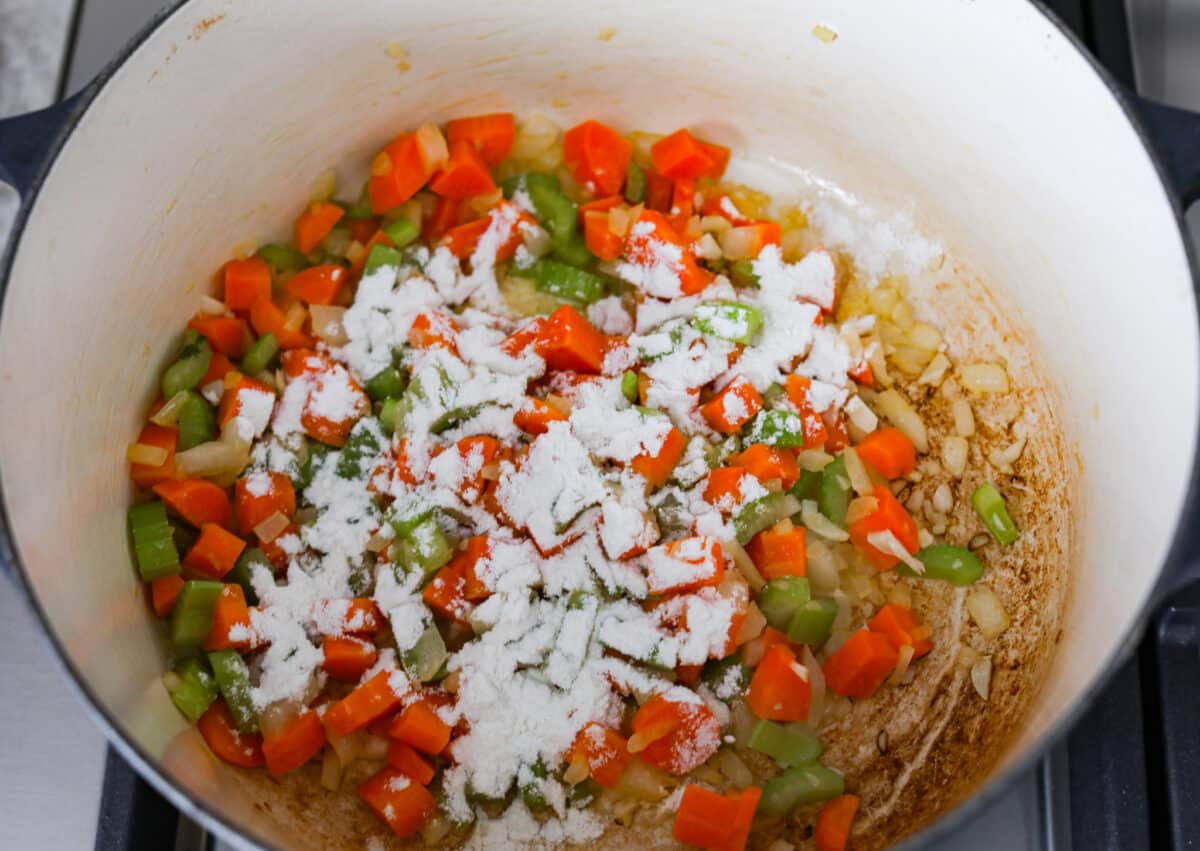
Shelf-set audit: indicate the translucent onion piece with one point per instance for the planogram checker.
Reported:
(535, 135)
(324, 187)
(954, 455)
(740, 243)
(861, 416)
(964, 419)
(860, 480)
(435, 830)
(819, 524)
(378, 542)
(752, 652)
(331, 770)
(232, 378)
(432, 145)
(715, 224)
(742, 721)
(902, 663)
(900, 595)
(375, 747)
(816, 685)
(537, 240)
(987, 611)
(863, 506)
(813, 459)
(981, 677)
(327, 324)
(278, 715)
(935, 372)
(822, 567)
(643, 783)
(272, 527)
(752, 626)
(168, 414)
(211, 306)
(943, 499)
(984, 378)
(735, 771)
(212, 459)
(295, 317)
(744, 564)
(143, 453)
(902, 415)
(707, 248)
(887, 542)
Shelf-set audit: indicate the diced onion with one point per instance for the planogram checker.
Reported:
(861, 416)
(278, 715)
(432, 145)
(375, 747)
(924, 336)
(813, 459)
(537, 240)
(331, 770)
(740, 243)
(477, 206)
(752, 625)
(231, 379)
(964, 419)
(981, 677)
(943, 499)
(987, 611)
(642, 782)
(211, 306)
(272, 527)
(324, 187)
(879, 370)
(715, 224)
(735, 771)
(707, 248)
(1003, 459)
(752, 652)
(902, 663)
(924, 538)
(887, 542)
(860, 480)
(781, 845)
(143, 453)
(535, 135)
(936, 370)
(902, 415)
(744, 564)
(742, 721)
(822, 567)
(900, 595)
(212, 459)
(819, 524)
(295, 317)
(954, 455)
(435, 830)
(559, 403)
(816, 686)
(577, 770)
(984, 378)
(860, 507)
(327, 324)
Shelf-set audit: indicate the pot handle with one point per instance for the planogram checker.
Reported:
(1175, 134)
(27, 140)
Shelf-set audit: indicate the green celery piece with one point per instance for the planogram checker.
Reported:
(282, 258)
(337, 242)
(718, 453)
(578, 599)
(777, 428)
(812, 622)
(233, 679)
(402, 231)
(259, 356)
(583, 792)
(153, 541)
(510, 185)
(388, 383)
(563, 281)
(425, 658)
(574, 252)
(308, 467)
(425, 548)
(788, 745)
(672, 517)
(728, 678)
(808, 486)
(531, 792)
(781, 598)
(390, 415)
(834, 498)
(774, 395)
(761, 514)
(555, 210)
(990, 506)
(192, 617)
(629, 385)
(635, 184)
(956, 565)
(730, 320)
(404, 526)
(361, 444)
(453, 417)
(242, 572)
(195, 690)
(382, 255)
(742, 273)
(361, 208)
(197, 421)
(802, 784)
(190, 365)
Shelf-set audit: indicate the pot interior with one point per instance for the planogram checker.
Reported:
(213, 131)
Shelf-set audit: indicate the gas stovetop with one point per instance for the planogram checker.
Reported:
(1128, 777)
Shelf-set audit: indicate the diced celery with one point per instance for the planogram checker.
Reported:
(194, 688)
(361, 445)
(197, 421)
(233, 678)
(192, 617)
(574, 252)
(555, 210)
(380, 256)
(956, 565)
(388, 383)
(402, 231)
(728, 678)
(559, 279)
(243, 571)
(763, 513)
(808, 486)
(777, 428)
(424, 548)
(790, 746)
(153, 541)
(635, 184)
(802, 784)
(989, 505)
(781, 598)
(190, 365)
(423, 661)
(259, 356)
(812, 622)
(629, 385)
(834, 497)
(282, 258)
(730, 320)
(742, 273)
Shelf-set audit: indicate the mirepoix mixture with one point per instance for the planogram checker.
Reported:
(529, 489)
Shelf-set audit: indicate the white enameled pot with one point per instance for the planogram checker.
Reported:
(985, 119)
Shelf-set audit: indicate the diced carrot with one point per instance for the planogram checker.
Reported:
(478, 452)
(834, 822)
(535, 416)
(606, 752)
(861, 373)
(145, 475)
(704, 560)
(815, 433)
(733, 407)
(660, 191)
(890, 516)
(722, 205)
(569, 342)
(233, 401)
(430, 329)
(599, 238)
(273, 549)
(861, 664)
(769, 462)
(221, 735)
(320, 370)
(780, 689)
(360, 707)
(197, 501)
(468, 559)
(674, 736)
(751, 239)
(901, 628)
(772, 637)
(406, 760)
(231, 621)
(353, 616)
(225, 334)
(347, 658)
(259, 495)
(317, 285)
(680, 155)
(419, 726)
(724, 487)
(719, 154)
(597, 157)
(441, 220)
(526, 335)
(465, 174)
(218, 366)
(267, 318)
(657, 467)
(714, 821)
(288, 749)
(214, 553)
(446, 593)
(683, 202)
(164, 592)
(404, 804)
(315, 223)
(492, 134)
(835, 427)
(463, 240)
(397, 173)
(599, 205)
(778, 554)
(645, 246)
(246, 281)
(888, 451)
(688, 675)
